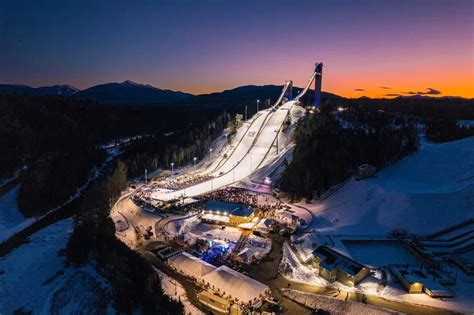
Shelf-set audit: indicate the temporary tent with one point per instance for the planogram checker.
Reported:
(190, 265)
(234, 285)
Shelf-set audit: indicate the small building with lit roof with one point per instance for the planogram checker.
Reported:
(334, 266)
(220, 212)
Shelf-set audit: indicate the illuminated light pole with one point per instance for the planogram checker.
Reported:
(195, 159)
(169, 179)
(258, 103)
(210, 153)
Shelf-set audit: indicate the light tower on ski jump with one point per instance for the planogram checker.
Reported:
(318, 70)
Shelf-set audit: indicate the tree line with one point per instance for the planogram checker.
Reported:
(179, 148)
(59, 140)
(135, 284)
(442, 130)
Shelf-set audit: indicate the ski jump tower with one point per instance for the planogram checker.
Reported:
(318, 71)
(289, 90)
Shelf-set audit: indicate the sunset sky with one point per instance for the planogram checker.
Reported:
(372, 48)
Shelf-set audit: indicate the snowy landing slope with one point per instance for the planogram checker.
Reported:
(424, 192)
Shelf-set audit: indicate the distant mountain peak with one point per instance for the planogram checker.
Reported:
(130, 92)
(68, 86)
(130, 82)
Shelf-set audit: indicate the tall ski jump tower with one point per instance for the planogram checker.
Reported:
(317, 83)
(289, 90)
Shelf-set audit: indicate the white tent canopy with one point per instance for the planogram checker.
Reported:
(215, 218)
(190, 265)
(235, 285)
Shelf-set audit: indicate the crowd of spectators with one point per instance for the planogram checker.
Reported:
(259, 202)
(243, 196)
(182, 181)
(143, 193)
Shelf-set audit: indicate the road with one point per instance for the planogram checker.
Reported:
(249, 154)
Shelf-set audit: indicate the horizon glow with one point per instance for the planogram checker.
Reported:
(209, 46)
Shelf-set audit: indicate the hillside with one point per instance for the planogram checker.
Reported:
(248, 94)
(424, 192)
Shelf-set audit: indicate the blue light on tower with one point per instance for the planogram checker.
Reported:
(318, 70)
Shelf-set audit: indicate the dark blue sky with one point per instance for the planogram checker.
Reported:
(202, 46)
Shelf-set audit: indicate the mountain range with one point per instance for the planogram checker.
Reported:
(129, 92)
(20, 89)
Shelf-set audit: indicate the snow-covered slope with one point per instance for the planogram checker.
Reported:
(29, 271)
(34, 278)
(426, 191)
(11, 219)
